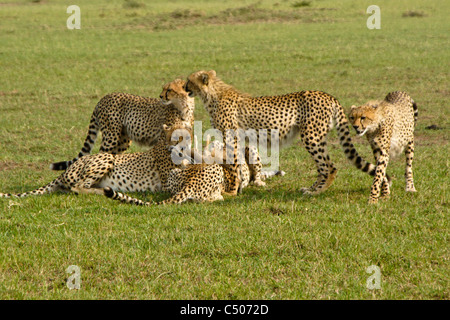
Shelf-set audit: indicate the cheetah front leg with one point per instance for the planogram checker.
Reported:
(254, 164)
(385, 190)
(409, 153)
(179, 197)
(380, 177)
(381, 145)
(78, 189)
(231, 139)
(232, 152)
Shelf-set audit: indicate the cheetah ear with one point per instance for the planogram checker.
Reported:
(212, 73)
(205, 79)
(353, 107)
(165, 127)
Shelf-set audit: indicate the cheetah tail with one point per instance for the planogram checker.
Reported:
(416, 111)
(110, 193)
(346, 143)
(49, 188)
(87, 147)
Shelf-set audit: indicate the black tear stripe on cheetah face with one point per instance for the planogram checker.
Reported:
(141, 171)
(308, 114)
(123, 117)
(389, 128)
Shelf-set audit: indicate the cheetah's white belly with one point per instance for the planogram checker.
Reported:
(396, 147)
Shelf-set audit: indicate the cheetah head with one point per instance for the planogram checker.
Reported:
(178, 140)
(198, 83)
(175, 94)
(364, 118)
(177, 133)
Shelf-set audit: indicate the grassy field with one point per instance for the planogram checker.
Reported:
(268, 243)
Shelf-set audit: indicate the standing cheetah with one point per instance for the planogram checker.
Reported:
(122, 117)
(309, 114)
(389, 128)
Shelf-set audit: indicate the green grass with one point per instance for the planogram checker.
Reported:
(268, 243)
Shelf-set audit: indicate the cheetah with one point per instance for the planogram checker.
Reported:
(122, 117)
(389, 128)
(133, 172)
(197, 182)
(201, 182)
(309, 114)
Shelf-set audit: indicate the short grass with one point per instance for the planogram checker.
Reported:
(268, 243)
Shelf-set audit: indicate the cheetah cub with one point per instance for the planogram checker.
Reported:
(133, 172)
(197, 182)
(123, 117)
(205, 182)
(389, 128)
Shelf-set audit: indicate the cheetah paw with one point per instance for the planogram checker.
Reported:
(259, 183)
(306, 191)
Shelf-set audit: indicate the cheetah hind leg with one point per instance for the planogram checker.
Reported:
(326, 170)
(385, 190)
(93, 174)
(323, 182)
(216, 195)
(409, 152)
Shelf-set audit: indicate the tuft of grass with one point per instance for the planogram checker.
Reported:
(413, 13)
(301, 4)
(186, 14)
(181, 18)
(133, 4)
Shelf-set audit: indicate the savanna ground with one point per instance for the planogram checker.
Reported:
(267, 243)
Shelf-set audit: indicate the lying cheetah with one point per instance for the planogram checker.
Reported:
(389, 128)
(141, 171)
(122, 117)
(309, 114)
(200, 182)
